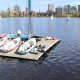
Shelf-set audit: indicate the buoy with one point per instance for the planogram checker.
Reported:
(48, 38)
(53, 38)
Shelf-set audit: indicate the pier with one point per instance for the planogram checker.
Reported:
(32, 56)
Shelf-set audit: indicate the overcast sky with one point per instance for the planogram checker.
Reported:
(41, 5)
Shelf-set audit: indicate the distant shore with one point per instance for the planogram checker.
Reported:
(59, 15)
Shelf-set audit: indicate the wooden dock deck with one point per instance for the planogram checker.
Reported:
(48, 43)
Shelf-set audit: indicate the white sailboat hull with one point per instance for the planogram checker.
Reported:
(23, 49)
(10, 45)
(68, 19)
(3, 41)
(51, 17)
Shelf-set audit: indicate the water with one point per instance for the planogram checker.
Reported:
(62, 62)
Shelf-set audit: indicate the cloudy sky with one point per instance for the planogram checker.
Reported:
(40, 4)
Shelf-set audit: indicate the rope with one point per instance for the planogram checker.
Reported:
(12, 29)
(24, 18)
(1, 21)
(35, 16)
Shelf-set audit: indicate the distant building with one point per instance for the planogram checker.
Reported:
(39, 11)
(4, 12)
(17, 8)
(24, 12)
(33, 13)
(79, 8)
(29, 6)
(51, 7)
(59, 10)
(10, 9)
(69, 8)
(73, 9)
(65, 9)
(43, 14)
(65, 5)
(26, 8)
(62, 10)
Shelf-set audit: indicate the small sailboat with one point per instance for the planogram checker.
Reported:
(10, 45)
(3, 41)
(27, 46)
(68, 19)
(52, 17)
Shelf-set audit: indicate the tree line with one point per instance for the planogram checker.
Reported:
(70, 15)
(59, 15)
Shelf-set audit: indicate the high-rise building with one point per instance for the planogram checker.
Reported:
(73, 9)
(65, 9)
(29, 6)
(69, 8)
(17, 8)
(26, 8)
(51, 7)
(59, 10)
(79, 8)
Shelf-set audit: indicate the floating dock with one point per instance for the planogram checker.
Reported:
(14, 53)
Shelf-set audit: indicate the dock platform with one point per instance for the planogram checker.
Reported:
(14, 53)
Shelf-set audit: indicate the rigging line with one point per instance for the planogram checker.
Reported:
(10, 14)
(0, 17)
(11, 19)
(28, 21)
(24, 18)
(34, 18)
(3, 31)
(1, 20)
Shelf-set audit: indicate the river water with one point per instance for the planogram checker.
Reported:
(62, 62)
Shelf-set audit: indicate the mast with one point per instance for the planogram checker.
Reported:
(28, 24)
(1, 20)
(10, 14)
(1, 9)
(24, 16)
(0, 17)
(35, 17)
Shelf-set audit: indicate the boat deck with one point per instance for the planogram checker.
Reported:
(14, 53)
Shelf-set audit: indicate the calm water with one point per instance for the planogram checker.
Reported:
(62, 62)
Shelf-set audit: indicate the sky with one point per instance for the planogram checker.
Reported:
(41, 5)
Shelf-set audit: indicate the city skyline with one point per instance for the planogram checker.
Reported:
(40, 4)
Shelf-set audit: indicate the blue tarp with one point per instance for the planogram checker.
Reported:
(12, 36)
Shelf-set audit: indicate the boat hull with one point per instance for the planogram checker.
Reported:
(4, 40)
(3, 35)
(25, 50)
(9, 46)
